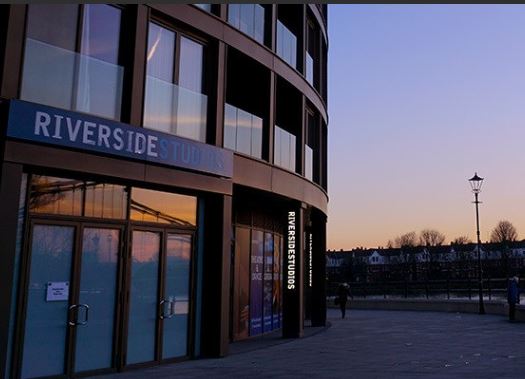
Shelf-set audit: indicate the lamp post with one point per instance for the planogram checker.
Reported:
(475, 183)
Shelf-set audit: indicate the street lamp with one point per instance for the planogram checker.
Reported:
(475, 183)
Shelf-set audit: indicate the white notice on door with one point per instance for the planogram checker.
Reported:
(57, 291)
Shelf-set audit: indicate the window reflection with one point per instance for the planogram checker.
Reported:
(242, 131)
(62, 196)
(77, 198)
(248, 18)
(105, 201)
(175, 105)
(284, 149)
(56, 195)
(286, 44)
(59, 73)
(163, 207)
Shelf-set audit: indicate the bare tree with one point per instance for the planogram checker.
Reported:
(461, 240)
(504, 232)
(406, 240)
(431, 237)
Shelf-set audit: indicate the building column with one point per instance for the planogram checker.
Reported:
(293, 288)
(216, 276)
(9, 203)
(318, 269)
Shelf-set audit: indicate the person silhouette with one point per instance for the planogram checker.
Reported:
(342, 294)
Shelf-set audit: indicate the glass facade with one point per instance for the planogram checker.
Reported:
(248, 18)
(56, 74)
(206, 7)
(308, 162)
(242, 131)
(77, 198)
(257, 285)
(175, 105)
(284, 149)
(286, 44)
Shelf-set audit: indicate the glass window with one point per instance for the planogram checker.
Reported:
(191, 64)
(284, 149)
(286, 44)
(242, 131)
(175, 105)
(308, 162)
(53, 24)
(309, 74)
(105, 201)
(161, 53)
(248, 18)
(234, 14)
(230, 127)
(163, 207)
(77, 198)
(101, 32)
(206, 7)
(56, 195)
(55, 73)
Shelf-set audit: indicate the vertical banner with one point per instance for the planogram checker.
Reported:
(268, 282)
(293, 293)
(256, 283)
(277, 283)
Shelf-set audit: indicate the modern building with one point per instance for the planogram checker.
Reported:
(163, 183)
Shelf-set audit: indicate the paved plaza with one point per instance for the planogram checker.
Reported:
(372, 344)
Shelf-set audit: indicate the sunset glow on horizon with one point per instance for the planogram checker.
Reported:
(420, 98)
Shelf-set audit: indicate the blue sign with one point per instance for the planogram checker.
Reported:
(40, 123)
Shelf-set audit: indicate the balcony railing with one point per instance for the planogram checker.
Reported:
(64, 79)
(176, 110)
(242, 131)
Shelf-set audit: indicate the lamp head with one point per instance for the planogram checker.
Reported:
(475, 183)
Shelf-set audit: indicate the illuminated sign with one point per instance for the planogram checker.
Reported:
(291, 251)
(40, 123)
(310, 259)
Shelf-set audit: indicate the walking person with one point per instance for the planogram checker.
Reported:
(513, 296)
(342, 296)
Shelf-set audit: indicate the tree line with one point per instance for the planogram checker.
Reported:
(503, 233)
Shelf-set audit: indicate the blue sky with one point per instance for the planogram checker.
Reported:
(420, 97)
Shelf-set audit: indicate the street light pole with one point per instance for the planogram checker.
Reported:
(476, 183)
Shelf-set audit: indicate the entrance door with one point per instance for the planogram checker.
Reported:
(159, 296)
(71, 295)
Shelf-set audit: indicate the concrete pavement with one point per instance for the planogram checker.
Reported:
(373, 344)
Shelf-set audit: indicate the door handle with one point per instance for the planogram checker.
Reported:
(86, 314)
(76, 322)
(171, 308)
(71, 308)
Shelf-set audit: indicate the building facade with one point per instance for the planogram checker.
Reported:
(163, 182)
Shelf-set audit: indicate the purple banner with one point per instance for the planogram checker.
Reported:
(256, 285)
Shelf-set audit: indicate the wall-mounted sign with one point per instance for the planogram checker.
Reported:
(291, 251)
(310, 259)
(40, 123)
(57, 291)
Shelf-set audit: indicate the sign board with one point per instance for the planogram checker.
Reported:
(310, 259)
(290, 251)
(43, 124)
(57, 291)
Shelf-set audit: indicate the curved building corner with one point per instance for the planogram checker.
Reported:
(163, 182)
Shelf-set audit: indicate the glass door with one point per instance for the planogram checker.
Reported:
(71, 300)
(48, 301)
(176, 297)
(159, 300)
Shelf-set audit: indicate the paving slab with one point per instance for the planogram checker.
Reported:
(372, 344)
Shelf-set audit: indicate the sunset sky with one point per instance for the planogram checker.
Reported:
(421, 97)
